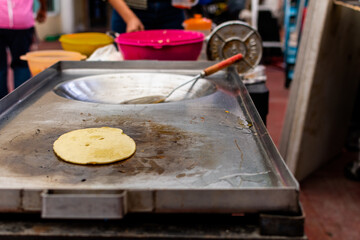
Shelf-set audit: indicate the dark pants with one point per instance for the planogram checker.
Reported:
(159, 15)
(18, 42)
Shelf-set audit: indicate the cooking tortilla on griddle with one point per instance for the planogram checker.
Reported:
(94, 146)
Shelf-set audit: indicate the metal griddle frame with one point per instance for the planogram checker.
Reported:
(47, 202)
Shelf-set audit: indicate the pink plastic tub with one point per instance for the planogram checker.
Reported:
(161, 45)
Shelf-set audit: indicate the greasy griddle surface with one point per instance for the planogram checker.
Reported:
(177, 147)
(161, 149)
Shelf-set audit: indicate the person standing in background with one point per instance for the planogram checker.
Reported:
(16, 33)
(138, 15)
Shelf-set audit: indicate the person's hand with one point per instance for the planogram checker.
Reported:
(134, 25)
(41, 16)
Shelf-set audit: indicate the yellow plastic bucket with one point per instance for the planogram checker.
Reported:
(40, 60)
(85, 43)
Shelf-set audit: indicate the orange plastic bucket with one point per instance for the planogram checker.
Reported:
(40, 60)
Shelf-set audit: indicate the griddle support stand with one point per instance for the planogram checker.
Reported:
(282, 224)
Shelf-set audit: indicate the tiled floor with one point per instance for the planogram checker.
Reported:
(278, 98)
(330, 201)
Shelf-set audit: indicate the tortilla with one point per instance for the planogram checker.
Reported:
(94, 146)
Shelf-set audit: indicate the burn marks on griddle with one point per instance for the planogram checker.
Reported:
(161, 149)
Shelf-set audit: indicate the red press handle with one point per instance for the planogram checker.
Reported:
(223, 64)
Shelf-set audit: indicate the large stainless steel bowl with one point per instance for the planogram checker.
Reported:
(116, 88)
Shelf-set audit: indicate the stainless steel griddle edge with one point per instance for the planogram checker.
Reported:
(148, 199)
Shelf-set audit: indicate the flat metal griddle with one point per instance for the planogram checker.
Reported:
(209, 154)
